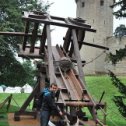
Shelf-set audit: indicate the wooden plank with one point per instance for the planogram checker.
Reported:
(72, 95)
(50, 56)
(76, 83)
(34, 37)
(43, 40)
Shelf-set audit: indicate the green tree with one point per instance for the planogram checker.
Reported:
(120, 31)
(30, 72)
(11, 70)
(120, 54)
(121, 11)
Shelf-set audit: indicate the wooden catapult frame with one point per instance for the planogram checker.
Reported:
(73, 94)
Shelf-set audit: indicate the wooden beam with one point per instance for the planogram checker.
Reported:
(77, 54)
(34, 37)
(71, 49)
(73, 21)
(47, 22)
(67, 40)
(18, 34)
(28, 56)
(28, 100)
(25, 37)
(94, 45)
(50, 56)
(80, 37)
(43, 40)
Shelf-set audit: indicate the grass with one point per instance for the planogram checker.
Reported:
(17, 101)
(95, 85)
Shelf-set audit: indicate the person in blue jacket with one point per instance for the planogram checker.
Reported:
(47, 103)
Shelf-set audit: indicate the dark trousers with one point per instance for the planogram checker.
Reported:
(44, 118)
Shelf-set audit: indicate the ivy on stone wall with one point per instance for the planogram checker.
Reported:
(119, 100)
(120, 54)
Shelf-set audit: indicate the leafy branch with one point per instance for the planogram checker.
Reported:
(122, 89)
(120, 54)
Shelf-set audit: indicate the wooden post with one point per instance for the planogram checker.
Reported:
(77, 54)
(105, 109)
(26, 37)
(43, 40)
(34, 37)
(50, 57)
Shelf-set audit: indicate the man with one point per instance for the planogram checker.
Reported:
(48, 104)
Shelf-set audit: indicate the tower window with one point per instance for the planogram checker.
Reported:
(104, 21)
(93, 40)
(93, 21)
(101, 2)
(83, 4)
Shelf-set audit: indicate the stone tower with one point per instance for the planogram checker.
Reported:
(99, 15)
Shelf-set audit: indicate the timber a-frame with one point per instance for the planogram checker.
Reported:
(73, 94)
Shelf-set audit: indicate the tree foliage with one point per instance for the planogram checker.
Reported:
(11, 70)
(120, 54)
(121, 11)
(120, 31)
(119, 100)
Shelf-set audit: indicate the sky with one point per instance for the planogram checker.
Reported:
(67, 8)
(61, 8)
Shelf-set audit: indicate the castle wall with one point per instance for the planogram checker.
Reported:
(99, 16)
(115, 44)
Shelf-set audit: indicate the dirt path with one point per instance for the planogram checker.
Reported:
(24, 121)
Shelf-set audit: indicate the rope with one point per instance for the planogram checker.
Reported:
(15, 102)
(95, 57)
(113, 122)
(109, 117)
(118, 114)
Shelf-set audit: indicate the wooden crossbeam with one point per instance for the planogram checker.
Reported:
(18, 34)
(92, 45)
(48, 22)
